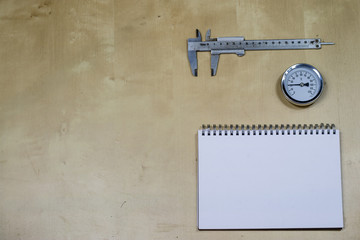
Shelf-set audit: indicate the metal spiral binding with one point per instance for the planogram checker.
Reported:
(242, 130)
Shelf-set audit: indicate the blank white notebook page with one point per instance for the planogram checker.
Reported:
(269, 181)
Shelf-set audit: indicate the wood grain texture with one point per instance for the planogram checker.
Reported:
(99, 110)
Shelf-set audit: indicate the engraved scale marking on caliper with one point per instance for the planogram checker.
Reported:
(238, 46)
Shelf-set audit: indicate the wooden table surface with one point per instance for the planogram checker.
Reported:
(99, 111)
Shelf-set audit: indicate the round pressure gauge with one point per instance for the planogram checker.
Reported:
(302, 84)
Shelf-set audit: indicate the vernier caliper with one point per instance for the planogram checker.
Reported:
(239, 45)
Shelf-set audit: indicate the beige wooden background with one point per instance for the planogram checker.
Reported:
(99, 110)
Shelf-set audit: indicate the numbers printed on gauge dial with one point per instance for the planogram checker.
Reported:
(302, 84)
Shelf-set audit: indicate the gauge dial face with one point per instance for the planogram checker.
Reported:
(302, 84)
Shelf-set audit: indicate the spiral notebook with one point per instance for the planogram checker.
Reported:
(269, 177)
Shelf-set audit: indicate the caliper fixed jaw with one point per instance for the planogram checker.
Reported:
(192, 54)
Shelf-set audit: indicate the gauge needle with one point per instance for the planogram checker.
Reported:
(300, 84)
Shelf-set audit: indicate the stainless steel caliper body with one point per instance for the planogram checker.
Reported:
(239, 45)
